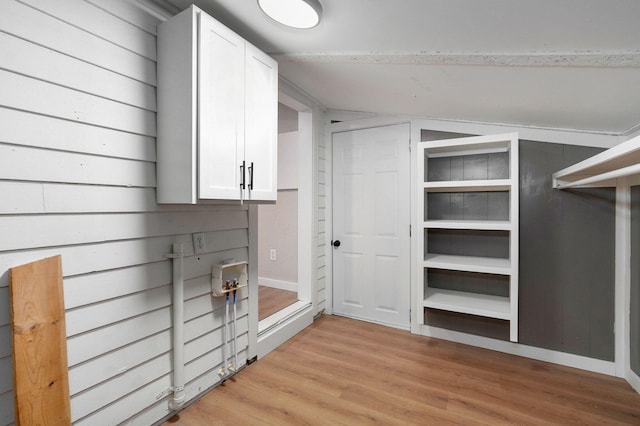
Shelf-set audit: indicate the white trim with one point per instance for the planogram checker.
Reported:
(365, 123)
(561, 358)
(342, 115)
(622, 279)
(329, 221)
(159, 9)
(279, 284)
(634, 380)
(283, 325)
(563, 136)
(295, 97)
(306, 194)
(289, 325)
(631, 132)
(252, 349)
(369, 320)
(417, 230)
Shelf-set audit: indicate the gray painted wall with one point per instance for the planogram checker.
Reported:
(635, 280)
(566, 287)
(567, 241)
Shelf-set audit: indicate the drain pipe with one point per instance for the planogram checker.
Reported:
(179, 395)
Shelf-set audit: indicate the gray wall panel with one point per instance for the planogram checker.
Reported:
(566, 256)
(468, 167)
(468, 242)
(468, 206)
(498, 167)
(487, 327)
(495, 285)
(635, 280)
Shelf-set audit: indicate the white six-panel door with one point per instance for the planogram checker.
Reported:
(371, 219)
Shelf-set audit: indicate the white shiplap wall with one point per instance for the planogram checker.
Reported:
(77, 178)
(320, 187)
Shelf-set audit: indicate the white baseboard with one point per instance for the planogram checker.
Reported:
(282, 285)
(555, 357)
(634, 380)
(280, 327)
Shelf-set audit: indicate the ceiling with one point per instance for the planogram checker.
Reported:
(569, 64)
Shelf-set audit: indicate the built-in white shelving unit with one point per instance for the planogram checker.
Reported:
(602, 169)
(478, 178)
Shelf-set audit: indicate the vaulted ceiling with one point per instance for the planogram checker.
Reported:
(561, 64)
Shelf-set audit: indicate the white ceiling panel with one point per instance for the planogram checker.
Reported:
(571, 64)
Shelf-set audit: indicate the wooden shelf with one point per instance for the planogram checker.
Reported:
(468, 303)
(468, 185)
(484, 225)
(487, 265)
(602, 169)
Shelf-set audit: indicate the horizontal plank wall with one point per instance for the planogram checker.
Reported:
(320, 183)
(634, 307)
(77, 179)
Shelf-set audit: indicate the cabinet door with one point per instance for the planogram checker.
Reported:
(261, 120)
(220, 149)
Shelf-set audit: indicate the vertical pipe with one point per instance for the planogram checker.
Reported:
(235, 333)
(226, 321)
(179, 395)
(223, 369)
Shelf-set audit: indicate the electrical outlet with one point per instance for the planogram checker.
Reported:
(199, 245)
(272, 254)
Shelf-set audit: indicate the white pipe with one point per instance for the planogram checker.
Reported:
(235, 333)
(226, 322)
(179, 395)
(223, 369)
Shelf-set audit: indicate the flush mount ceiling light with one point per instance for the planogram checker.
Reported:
(293, 13)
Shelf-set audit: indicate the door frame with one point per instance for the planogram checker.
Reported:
(361, 124)
(293, 319)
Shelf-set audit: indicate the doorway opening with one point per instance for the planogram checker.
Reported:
(278, 225)
(285, 233)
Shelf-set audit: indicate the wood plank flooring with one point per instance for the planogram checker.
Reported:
(271, 300)
(340, 371)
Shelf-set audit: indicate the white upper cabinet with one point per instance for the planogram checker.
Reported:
(217, 114)
(261, 120)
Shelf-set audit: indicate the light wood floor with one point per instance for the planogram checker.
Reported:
(345, 372)
(271, 300)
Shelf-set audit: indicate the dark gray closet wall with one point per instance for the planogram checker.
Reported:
(635, 280)
(566, 280)
(567, 256)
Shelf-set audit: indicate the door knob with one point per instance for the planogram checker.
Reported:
(335, 243)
